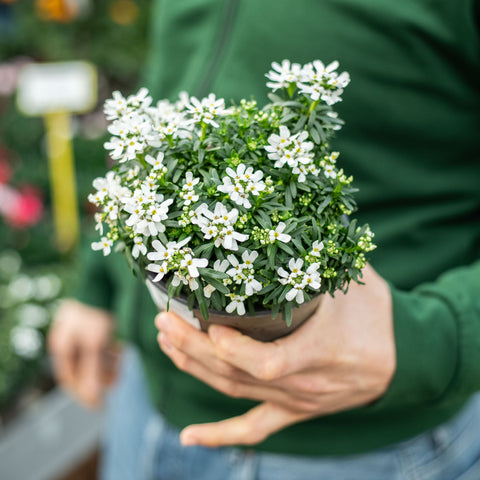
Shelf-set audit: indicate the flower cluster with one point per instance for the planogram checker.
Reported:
(314, 79)
(292, 150)
(239, 184)
(216, 202)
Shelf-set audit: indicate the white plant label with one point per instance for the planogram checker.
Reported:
(45, 88)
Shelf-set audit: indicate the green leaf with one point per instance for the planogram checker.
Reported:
(296, 241)
(202, 302)
(315, 136)
(293, 189)
(275, 309)
(285, 247)
(267, 289)
(287, 313)
(324, 204)
(300, 124)
(351, 228)
(191, 301)
(211, 273)
(218, 285)
(271, 255)
(178, 173)
(203, 250)
(171, 293)
(288, 198)
(216, 301)
(273, 294)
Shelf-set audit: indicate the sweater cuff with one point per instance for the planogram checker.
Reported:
(426, 341)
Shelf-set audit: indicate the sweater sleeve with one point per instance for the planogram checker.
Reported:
(95, 284)
(437, 334)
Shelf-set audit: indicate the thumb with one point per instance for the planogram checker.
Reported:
(247, 429)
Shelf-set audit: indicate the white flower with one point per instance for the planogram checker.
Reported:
(252, 286)
(186, 280)
(236, 304)
(278, 235)
(112, 210)
(295, 267)
(192, 264)
(115, 107)
(312, 278)
(104, 244)
(245, 181)
(330, 172)
(283, 75)
(189, 197)
(117, 146)
(322, 82)
(317, 247)
(138, 247)
(293, 150)
(296, 292)
(207, 109)
(219, 225)
(157, 163)
(161, 270)
(190, 182)
(228, 238)
(163, 252)
(208, 290)
(249, 257)
(278, 143)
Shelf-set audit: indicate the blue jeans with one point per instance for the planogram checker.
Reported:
(141, 445)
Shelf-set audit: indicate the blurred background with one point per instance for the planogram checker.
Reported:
(44, 435)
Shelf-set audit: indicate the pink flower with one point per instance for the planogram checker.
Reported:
(26, 209)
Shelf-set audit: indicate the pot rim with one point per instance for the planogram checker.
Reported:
(260, 313)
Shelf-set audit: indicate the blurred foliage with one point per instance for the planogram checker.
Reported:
(28, 297)
(112, 34)
(116, 48)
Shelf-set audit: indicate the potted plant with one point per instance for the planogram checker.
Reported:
(241, 211)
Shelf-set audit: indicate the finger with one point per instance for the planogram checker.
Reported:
(196, 345)
(249, 429)
(90, 373)
(64, 355)
(265, 361)
(230, 386)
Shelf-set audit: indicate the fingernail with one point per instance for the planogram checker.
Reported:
(187, 439)
(162, 320)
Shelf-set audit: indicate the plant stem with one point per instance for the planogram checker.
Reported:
(312, 107)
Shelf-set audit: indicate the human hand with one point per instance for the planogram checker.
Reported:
(341, 358)
(84, 355)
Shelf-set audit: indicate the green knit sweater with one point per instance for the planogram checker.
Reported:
(411, 141)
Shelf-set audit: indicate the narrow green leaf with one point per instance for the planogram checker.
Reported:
(315, 136)
(202, 302)
(211, 273)
(293, 188)
(218, 285)
(275, 309)
(287, 313)
(285, 247)
(324, 204)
